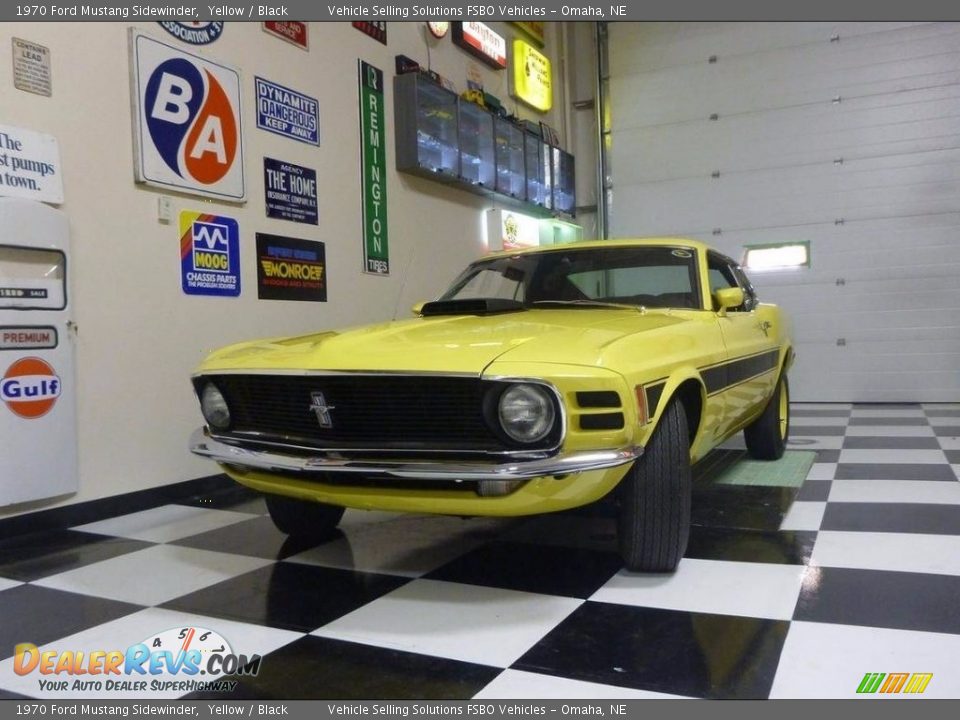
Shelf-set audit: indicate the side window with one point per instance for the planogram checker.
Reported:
(721, 274)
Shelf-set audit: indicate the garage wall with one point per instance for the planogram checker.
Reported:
(846, 135)
(139, 335)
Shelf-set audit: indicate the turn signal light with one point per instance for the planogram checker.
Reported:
(642, 414)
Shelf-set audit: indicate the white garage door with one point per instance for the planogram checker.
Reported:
(845, 135)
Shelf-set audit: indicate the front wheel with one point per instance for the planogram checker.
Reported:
(653, 525)
(301, 518)
(767, 436)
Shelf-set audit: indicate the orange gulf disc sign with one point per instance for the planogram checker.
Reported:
(30, 388)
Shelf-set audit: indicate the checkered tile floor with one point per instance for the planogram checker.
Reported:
(782, 593)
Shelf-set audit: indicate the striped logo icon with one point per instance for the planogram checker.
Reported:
(893, 683)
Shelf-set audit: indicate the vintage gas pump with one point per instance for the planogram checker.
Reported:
(38, 432)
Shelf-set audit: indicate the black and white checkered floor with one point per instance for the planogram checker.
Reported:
(782, 594)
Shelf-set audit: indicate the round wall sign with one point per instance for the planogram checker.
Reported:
(438, 29)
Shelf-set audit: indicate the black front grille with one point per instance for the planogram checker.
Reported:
(407, 413)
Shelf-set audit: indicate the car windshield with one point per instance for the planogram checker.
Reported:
(653, 277)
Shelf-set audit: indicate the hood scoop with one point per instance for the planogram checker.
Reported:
(479, 306)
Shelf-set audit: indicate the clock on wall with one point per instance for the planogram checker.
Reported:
(438, 29)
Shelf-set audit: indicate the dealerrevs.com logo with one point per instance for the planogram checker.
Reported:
(179, 660)
(894, 683)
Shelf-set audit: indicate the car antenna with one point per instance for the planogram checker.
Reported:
(403, 282)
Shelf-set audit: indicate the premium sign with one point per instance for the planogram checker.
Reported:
(30, 165)
(187, 121)
(23, 337)
(373, 171)
(482, 42)
(209, 254)
(286, 112)
(291, 269)
(31, 67)
(532, 78)
(290, 190)
(293, 32)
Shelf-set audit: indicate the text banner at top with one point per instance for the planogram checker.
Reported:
(544, 10)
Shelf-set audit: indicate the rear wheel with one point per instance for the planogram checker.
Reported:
(654, 520)
(301, 518)
(767, 436)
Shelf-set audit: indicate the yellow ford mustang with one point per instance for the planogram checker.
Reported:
(541, 380)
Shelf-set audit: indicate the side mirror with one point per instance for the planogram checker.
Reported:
(417, 308)
(728, 298)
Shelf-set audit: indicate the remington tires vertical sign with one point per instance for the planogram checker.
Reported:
(373, 171)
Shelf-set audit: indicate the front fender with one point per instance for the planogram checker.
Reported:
(684, 379)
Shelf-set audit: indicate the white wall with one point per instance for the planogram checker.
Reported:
(139, 335)
(841, 134)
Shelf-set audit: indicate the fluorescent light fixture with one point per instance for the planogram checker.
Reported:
(784, 256)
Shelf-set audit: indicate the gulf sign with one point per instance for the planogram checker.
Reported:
(30, 388)
(187, 121)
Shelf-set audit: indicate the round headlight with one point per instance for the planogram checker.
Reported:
(214, 407)
(526, 413)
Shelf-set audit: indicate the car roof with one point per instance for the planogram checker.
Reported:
(672, 242)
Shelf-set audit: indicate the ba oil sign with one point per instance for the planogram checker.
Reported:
(187, 121)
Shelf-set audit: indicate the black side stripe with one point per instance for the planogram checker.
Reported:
(733, 372)
(718, 378)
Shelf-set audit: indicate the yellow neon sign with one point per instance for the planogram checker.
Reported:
(532, 76)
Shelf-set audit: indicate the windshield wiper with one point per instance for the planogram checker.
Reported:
(586, 304)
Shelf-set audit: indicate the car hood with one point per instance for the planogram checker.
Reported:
(455, 344)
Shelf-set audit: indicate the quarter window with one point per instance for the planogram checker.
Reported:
(723, 273)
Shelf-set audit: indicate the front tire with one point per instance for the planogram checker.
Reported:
(767, 436)
(301, 518)
(653, 524)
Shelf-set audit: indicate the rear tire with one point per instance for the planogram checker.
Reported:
(302, 518)
(767, 436)
(653, 524)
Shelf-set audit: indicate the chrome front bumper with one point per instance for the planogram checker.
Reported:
(206, 446)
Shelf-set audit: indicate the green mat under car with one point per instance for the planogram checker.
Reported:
(735, 467)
